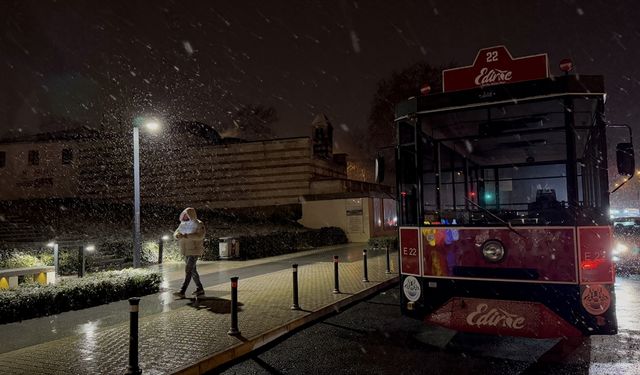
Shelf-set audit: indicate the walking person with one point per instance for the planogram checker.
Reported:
(190, 236)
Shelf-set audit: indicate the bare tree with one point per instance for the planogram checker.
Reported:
(391, 91)
(252, 122)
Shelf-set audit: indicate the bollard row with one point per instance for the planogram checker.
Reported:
(134, 369)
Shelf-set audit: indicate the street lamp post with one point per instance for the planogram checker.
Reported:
(136, 196)
(82, 255)
(137, 245)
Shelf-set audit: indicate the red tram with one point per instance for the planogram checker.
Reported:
(503, 201)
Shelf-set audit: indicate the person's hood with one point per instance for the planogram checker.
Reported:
(190, 212)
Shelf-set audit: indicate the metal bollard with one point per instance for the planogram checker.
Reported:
(295, 305)
(388, 271)
(160, 250)
(366, 271)
(133, 368)
(336, 289)
(233, 331)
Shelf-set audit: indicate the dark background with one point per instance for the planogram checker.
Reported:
(103, 63)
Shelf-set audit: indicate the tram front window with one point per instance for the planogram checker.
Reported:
(498, 165)
(518, 194)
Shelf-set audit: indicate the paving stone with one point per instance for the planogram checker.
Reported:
(177, 338)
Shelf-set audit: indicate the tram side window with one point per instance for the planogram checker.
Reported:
(408, 186)
(592, 182)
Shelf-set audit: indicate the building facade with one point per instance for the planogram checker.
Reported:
(191, 165)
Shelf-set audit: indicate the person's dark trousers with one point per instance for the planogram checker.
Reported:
(190, 271)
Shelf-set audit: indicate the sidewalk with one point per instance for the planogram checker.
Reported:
(191, 338)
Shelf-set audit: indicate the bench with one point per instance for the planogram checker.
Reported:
(43, 275)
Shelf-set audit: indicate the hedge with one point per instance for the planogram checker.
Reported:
(383, 242)
(32, 300)
(251, 247)
(281, 242)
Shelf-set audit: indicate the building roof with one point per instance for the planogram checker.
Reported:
(74, 134)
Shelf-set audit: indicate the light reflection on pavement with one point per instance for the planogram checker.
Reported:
(86, 321)
(620, 354)
(628, 303)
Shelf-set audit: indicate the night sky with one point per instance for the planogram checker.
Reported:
(108, 61)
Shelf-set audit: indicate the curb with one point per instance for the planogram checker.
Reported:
(217, 359)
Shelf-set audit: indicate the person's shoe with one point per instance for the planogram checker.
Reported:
(179, 294)
(198, 292)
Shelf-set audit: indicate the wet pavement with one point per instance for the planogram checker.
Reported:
(177, 334)
(372, 337)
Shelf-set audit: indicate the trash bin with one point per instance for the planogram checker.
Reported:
(229, 248)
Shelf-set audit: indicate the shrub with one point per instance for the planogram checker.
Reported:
(22, 260)
(25, 257)
(277, 243)
(383, 242)
(117, 249)
(170, 252)
(35, 300)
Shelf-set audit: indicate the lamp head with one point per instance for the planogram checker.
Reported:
(149, 123)
(152, 125)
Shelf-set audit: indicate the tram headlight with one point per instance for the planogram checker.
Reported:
(493, 251)
(620, 249)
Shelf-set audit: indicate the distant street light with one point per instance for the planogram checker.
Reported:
(56, 257)
(137, 244)
(82, 250)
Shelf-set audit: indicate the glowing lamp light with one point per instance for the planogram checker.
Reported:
(90, 248)
(404, 194)
(51, 244)
(425, 89)
(165, 238)
(488, 196)
(620, 248)
(152, 125)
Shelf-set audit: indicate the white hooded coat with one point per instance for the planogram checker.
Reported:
(193, 231)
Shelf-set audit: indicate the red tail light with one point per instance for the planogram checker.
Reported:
(591, 264)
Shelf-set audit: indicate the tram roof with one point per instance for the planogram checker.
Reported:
(554, 87)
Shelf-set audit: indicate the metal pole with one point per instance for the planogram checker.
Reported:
(234, 331)
(160, 248)
(56, 259)
(336, 289)
(136, 197)
(133, 368)
(388, 271)
(295, 305)
(366, 271)
(80, 261)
